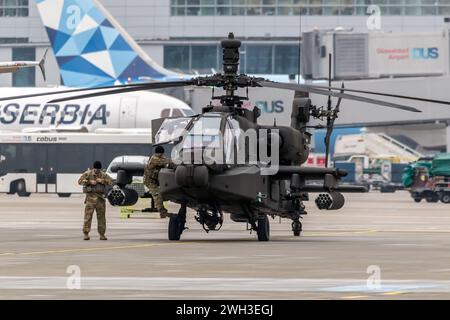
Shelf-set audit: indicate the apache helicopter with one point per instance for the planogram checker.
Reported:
(243, 190)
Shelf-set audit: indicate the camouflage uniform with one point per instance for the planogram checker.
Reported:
(95, 199)
(151, 171)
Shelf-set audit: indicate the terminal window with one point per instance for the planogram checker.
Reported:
(4, 40)
(14, 8)
(307, 7)
(280, 59)
(25, 77)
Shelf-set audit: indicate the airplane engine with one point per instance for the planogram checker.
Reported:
(330, 201)
(118, 196)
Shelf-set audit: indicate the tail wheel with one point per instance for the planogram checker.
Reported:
(263, 229)
(297, 228)
(176, 228)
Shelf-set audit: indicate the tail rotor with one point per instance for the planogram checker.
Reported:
(332, 113)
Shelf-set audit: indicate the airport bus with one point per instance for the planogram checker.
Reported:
(52, 162)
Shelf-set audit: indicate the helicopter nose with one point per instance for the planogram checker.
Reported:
(191, 176)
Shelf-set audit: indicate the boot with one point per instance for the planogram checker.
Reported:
(102, 237)
(86, 236)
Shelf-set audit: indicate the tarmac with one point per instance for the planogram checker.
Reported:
(380, 246)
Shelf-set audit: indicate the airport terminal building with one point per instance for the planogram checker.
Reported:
(183, 34)
(405, 43)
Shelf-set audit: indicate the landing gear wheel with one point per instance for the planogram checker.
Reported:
(263, 229)
(177, 224)
(176, 228)
(297, 228)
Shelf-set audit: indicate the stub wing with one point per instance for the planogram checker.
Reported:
(14, 66)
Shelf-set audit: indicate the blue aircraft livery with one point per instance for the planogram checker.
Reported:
(92, 49)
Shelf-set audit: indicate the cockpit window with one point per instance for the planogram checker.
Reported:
(188, 112)
(207, 126)
(171, 129)
(165, 113)
(204, 134)
(177, 113)
(228, 144)
(238, 139)
(201, 141)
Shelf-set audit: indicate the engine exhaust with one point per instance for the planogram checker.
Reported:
(330, 201)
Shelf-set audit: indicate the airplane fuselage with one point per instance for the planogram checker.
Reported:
(135, 110)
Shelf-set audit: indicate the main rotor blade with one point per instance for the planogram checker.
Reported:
(337, 108)
(381, 94)
(302, 88)
(145, 86)
(149, 86)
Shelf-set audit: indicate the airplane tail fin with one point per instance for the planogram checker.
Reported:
(91, 47)
(42, 65)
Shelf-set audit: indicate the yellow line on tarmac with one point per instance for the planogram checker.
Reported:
(355, 297)
(393, 293)
(7, 254)
(415, 231)
(339, 233)
(139, 246)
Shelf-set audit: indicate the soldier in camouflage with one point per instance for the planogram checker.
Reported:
(94, 182)
(151, 171)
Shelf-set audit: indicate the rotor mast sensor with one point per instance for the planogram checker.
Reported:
(230, 48)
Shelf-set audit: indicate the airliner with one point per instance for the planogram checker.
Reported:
(125, 111)
(92, 50)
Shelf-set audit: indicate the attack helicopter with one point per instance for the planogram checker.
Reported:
(269, 181)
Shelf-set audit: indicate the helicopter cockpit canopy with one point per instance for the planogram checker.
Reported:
(171, 130)
(210, 137)
(205, 133)
(213, 138)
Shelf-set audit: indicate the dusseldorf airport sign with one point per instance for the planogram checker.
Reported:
(401, 54)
